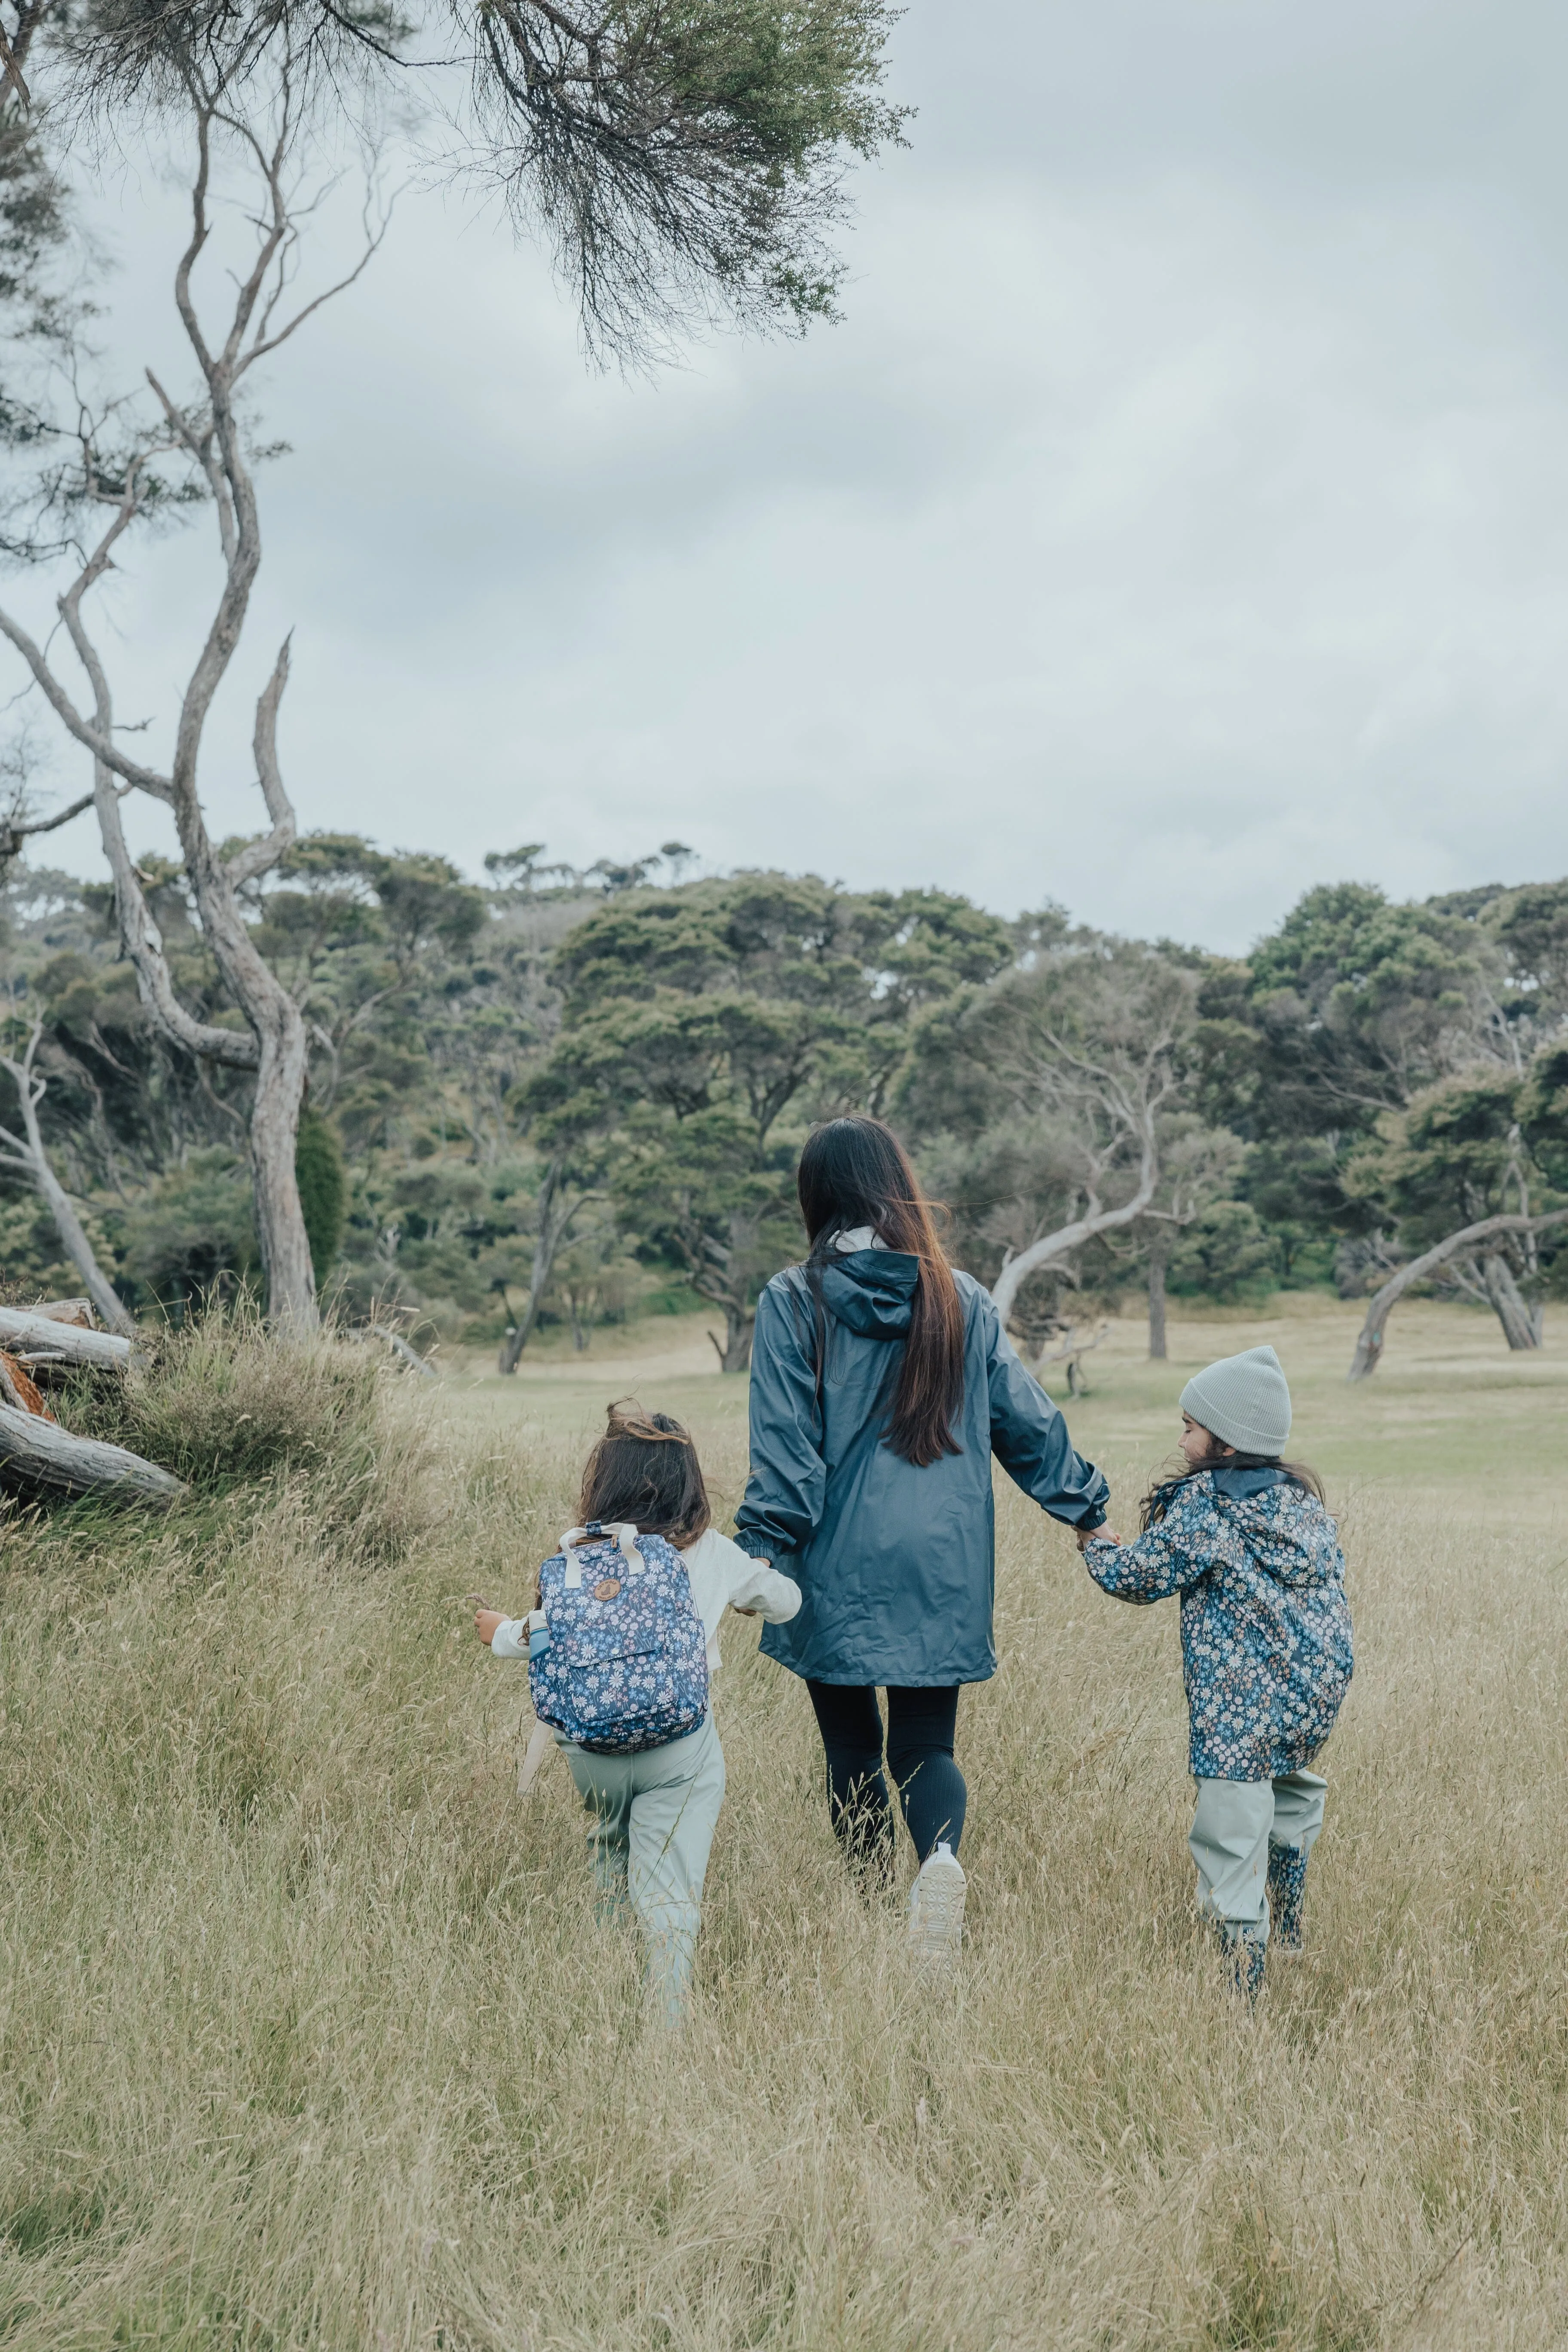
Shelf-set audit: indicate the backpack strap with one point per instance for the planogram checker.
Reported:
(622, 1530)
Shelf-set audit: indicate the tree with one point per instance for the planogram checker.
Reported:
(568, 1180)
(1459, 1169)
(1530, 927)
(1064, 1072)
(124, 1103)
(699, 1022)
(20, 821)
(27, 1154)
(1295, 1188)
(685, 162)
(1198, 1166)
(1369, 1344)
(133, 467)
(1346, 1014)
(1347, 1010)
(16, 41)
(427, 1001)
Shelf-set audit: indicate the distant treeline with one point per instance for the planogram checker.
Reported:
(571, 1096)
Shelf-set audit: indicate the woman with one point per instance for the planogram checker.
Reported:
(881, 1384)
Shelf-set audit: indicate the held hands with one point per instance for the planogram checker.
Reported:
(749, 1612)
(1084, 1537)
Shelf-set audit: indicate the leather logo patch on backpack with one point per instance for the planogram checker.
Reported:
(608, 1588)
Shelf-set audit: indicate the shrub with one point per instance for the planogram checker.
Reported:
(192, 1230)
(224, 1399)
(323, 1191)
(1226, 1256)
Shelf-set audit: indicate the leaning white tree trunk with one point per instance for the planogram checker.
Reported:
(27, 1155)
(1066, 1238)
(1369, 1345)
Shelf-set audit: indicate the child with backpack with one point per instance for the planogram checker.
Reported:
(621, 1652)
(1246, 1540)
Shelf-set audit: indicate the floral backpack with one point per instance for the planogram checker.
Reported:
(617, 1658)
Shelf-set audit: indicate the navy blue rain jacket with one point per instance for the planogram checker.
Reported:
(896, 1565)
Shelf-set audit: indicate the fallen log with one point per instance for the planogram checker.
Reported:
(65, 1310)
(39, 1458)
(400, 1346)
(19, 1387)
(24, 1328)
(395, 1340)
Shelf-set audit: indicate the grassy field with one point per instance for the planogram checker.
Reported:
(1450, 1414)
(308, 2039)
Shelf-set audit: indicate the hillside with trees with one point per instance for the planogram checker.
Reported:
(561, 1099)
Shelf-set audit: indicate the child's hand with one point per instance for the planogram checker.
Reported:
(486, 1620)
(1084, 1537)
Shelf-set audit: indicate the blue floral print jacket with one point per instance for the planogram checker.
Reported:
(1266, 1627)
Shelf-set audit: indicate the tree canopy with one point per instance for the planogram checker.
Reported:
(684, 160)
(560, 1097)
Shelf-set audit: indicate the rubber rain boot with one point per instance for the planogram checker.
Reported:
(1286, 1885)
(1244, 1960)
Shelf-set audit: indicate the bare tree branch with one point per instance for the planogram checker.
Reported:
(144, 944)
(261, 348)
(30, 1156)
(15, 828)
(12, 78)
(108, 754)
(260, 857)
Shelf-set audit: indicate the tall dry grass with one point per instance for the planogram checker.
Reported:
(308, 2039)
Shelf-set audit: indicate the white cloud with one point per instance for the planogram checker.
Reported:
(1178, 520)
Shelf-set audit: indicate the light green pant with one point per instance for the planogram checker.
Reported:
(1236, 1823)
(653, 1826)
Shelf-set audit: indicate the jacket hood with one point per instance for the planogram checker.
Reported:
(871, 1291)
(1301, 1540)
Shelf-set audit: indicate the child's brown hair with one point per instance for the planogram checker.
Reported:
(1161, 1495)
(645, 1469)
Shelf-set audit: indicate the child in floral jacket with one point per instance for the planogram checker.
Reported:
(1266, 1643)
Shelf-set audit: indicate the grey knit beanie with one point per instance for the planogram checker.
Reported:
(1243, 1401)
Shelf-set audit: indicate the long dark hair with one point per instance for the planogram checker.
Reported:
(1163, 1492)
(853, 1172)
(645, 1469)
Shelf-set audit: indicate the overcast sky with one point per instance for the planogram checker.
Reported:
(1179, 517)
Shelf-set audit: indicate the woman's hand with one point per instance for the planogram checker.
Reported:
(1084, 1537)
(486, 1620)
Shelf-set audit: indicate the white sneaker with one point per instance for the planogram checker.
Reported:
(936, 1907)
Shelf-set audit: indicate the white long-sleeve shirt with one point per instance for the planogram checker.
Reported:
(722, 1577)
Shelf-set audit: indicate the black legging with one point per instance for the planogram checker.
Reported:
(921, 1726)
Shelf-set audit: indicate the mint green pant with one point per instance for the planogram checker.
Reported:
(653, 1826)
(1236, 1823)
